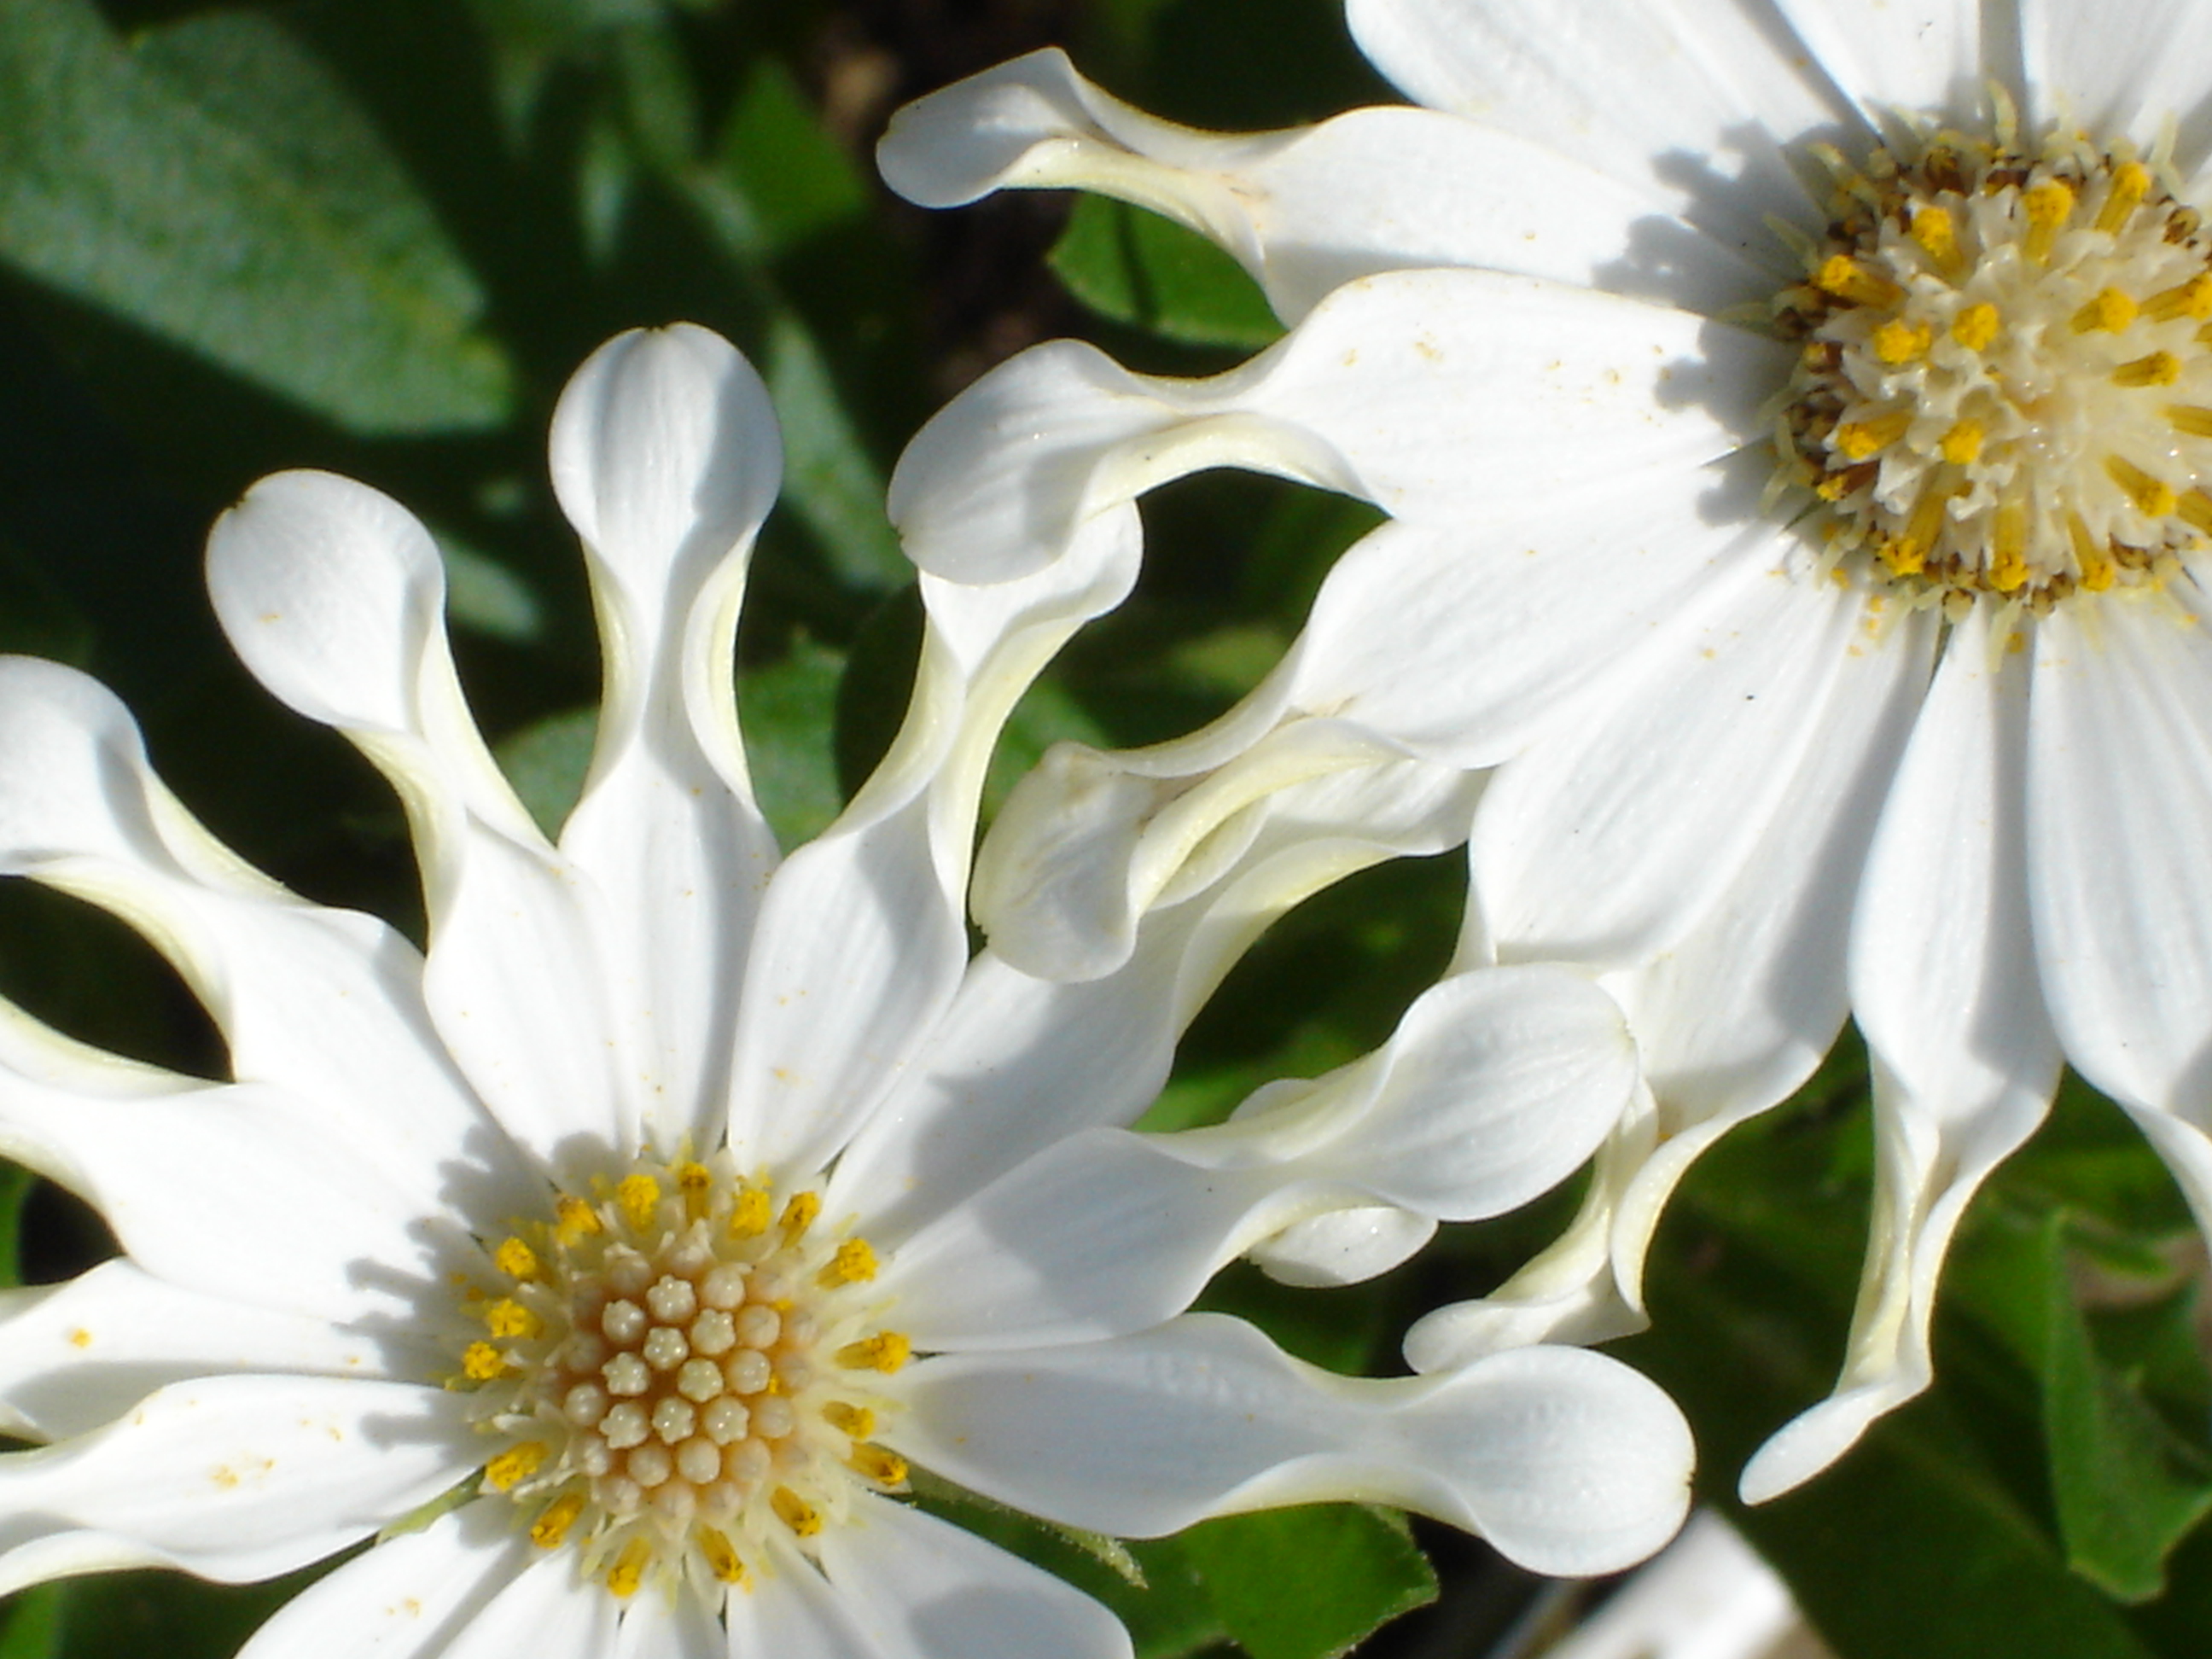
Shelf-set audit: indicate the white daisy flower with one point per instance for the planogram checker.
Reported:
(1800, 488)
(618, 1259)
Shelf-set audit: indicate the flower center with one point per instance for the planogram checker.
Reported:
(674, 1367)
(2005, 380)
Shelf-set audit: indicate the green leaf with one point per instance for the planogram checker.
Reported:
(789, 712)
(15, 1184)
(217, 187)
(2127, 1488)
(1311, 1582)
(547, 762)
(130, 1615)
(1138, 268)
(34, 1630)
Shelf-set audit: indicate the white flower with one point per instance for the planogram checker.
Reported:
(650, 1225)
(1801, 487)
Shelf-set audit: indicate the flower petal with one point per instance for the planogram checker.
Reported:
(1607, 842)
(1921, 57)
(324, 1004)
(681, 1625)
(1692, 99)
(665, 457)
(792, 1612)
(2126, 81)
(549, 1611)
(76, 1355)
(231, 1478)
(1942, 977)
(405, 1599)
(1308, 209)
(1419, 391)
(930, 1589)
(1566, 1460)
(331, 593)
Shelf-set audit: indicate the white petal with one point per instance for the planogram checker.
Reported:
(665, 457)
(655, 1625)
(1343, 1247)
(325, 1004)
(1566, 1460)
(407, 1597)
(231, 1478)
(1417, 390)
(1309, 209)
(78, 1355)
(1943, 982)
(548, 1611)
(332, 594)
(1609, 842)
(926, 1588)
(791, 1612)
(1922, 57)
(2111, 80)
(1692, 99)
(2120, 808)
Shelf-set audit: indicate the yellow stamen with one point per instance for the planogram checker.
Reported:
(516, 1259)
(884, 1468)
(1897, 343)
(1938, 238)
(2008, 571)
(2157, 368)
(799, 1215)
(1847, 279)
(507, 1318)
(551, 1528)
(697, 1185)
(515, 1466)
(854, 1264)
(1855, 441)
(628, 1570)
(886, 1350)
(796, 1512)
(1976, 327)
(2193, 418)
(749, 1215)
(1902, 558)
(480, 1362)
(2192, 299)
(2096, 568)
(721, 1555)
(2196, 510)
(639, 1195)
(857, 1421)
(2109, 311)
(574, 1219)
(1920, 530)
(2131, 184)
(2149, 497)
(1962, 444)
(2049, 205)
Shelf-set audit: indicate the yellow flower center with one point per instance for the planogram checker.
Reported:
(2004, 385)
(674, 1364)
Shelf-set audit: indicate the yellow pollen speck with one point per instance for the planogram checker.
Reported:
(799, 1215)
(1938, 238)
(1855, 441)
(854, 1264)
(1897, 342)
(697, 1185)
(516, 1259)
(884, 1468)
(1962, 444)
(551, 1528)
(1976, 327)
(721, 1555)
(2155, 368)
(796, 1512)
(515, 1466)
(857, 1421)
(481, 1363)
(750, 1214)
(507, 1318)
(574, 1219)
(2193, 418)
(2195, 507)
(2149, 497)
(2192, 299)
(1847, 279)
(628, 1570)
(639, 1195)
(2049, 205)
(886, 1350)
(2131, 184)
(2109, 311)
(80, 1337)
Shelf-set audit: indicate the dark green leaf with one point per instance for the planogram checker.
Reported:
(1309, 1583)
(34, 1630)
(1138, 268)
(15, 1184)
(215, 187)
(133, 1615)
(547, 763)
(789, 711)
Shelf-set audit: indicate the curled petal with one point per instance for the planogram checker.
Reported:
(1342, 1247)
(231, 1478)
(1566, 1460)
